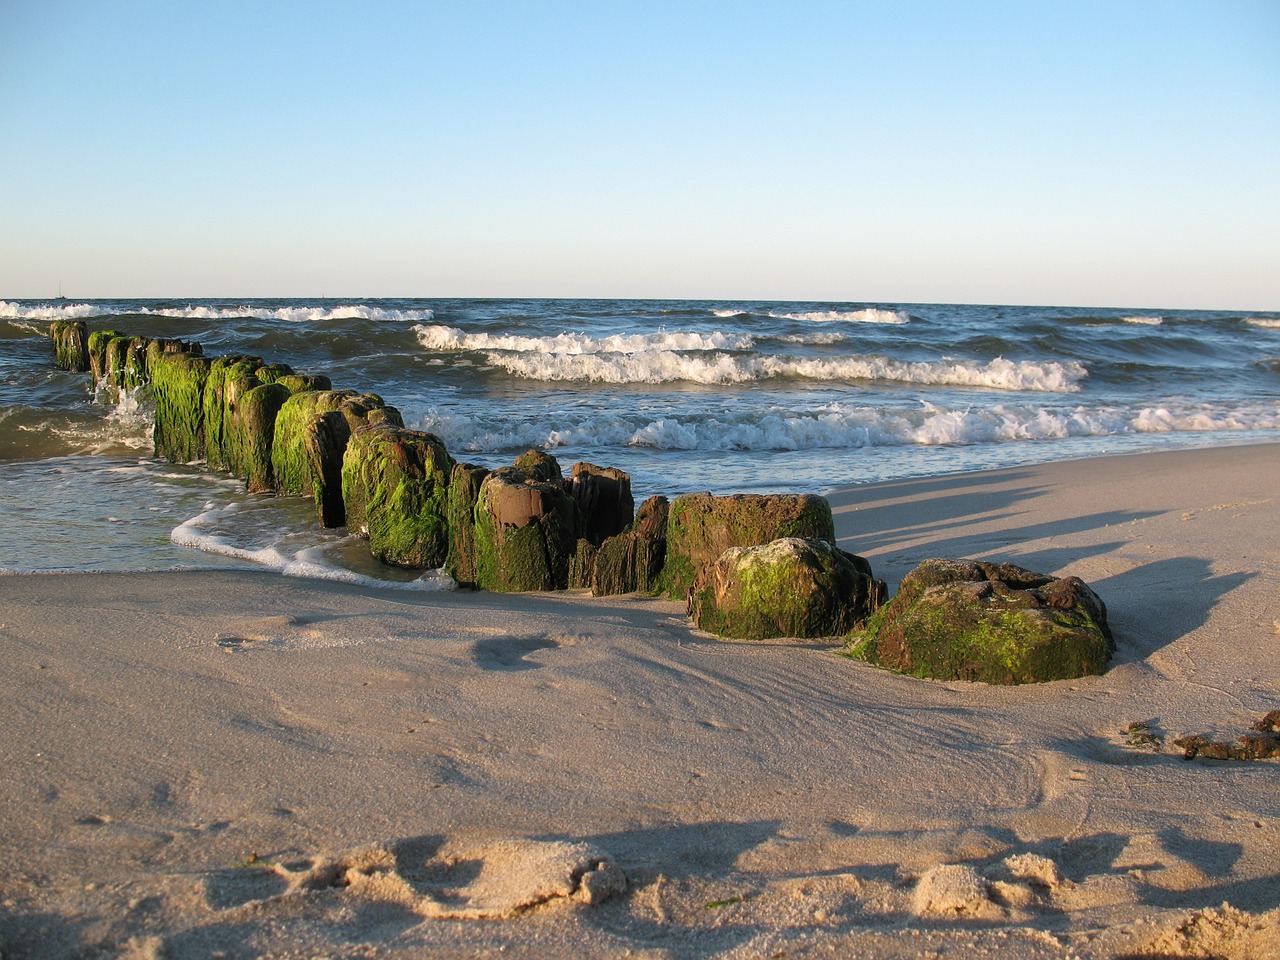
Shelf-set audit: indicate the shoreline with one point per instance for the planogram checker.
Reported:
(184, 742)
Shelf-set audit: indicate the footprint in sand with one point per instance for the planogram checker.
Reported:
(509, 653)
(496, 880)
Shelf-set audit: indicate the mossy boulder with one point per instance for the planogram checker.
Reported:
(70, 345)
(701, 527)
(311, 435)
(395, 485)
(603, 495)
(177, 387)
(464, 494)
(792, 587)
(526, 531)
(988, 622)
(631, 562)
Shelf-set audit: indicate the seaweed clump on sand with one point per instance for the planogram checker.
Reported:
(1262, 744)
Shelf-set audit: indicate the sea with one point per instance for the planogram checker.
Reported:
(684, 395)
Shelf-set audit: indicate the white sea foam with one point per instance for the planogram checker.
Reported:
(289, 553)
(841, 426)
(669, 366)
(1147, 321)
(69, 311)
(865, 315)
(440, 338)
(302, 314)
(1265, 323)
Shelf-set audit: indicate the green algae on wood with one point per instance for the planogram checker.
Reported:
(97, 349)
(230, 377)
(631, 561)
(252, 430)
(700, 527)
(70, 345)
(177, 387)
(395, 487)
(464, 493)
(987, 622)
(791, 587)
(525, 531)
(311, 435)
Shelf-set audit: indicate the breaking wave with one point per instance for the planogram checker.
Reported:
(842, 427)
(293, 314)
(669, 366)
(440, 338)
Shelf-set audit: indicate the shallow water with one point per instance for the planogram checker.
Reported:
(684, 395)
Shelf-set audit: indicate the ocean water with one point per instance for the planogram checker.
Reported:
(684, 395)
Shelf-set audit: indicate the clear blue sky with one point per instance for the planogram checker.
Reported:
(1113, 153)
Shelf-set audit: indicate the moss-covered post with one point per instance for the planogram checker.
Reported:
(989, 623)
(177, 387)
(632, 561)
(70, 345)
(97, 348)
(312, 432)
(324, 443)
(464, 493)
(700, 527)
(526, 531)
(604, 497)
(791, 587)
(135, 364)
(253, 427)
(229, 378)
(395, 485)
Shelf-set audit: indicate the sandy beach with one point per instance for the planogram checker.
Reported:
(241, 764)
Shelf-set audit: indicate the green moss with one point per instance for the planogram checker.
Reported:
(177, 387)
(274, 373)
(395, 487)
(524, 552)
(70, 345)
(229, 379)
(252, 431)
(701, 527)
(304, 382)
(948, 623)
(97, 349)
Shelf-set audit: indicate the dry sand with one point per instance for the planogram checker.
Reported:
(239, 764)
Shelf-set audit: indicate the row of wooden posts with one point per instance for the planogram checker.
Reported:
(516, 528)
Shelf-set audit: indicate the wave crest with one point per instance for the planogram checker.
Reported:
(842, 427)
(10, 310)
(440, 338)
(669, 366)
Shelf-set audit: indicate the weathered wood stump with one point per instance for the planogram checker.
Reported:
(395, 486)
(700, 527)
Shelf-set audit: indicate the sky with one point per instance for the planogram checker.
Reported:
(1118, 153)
